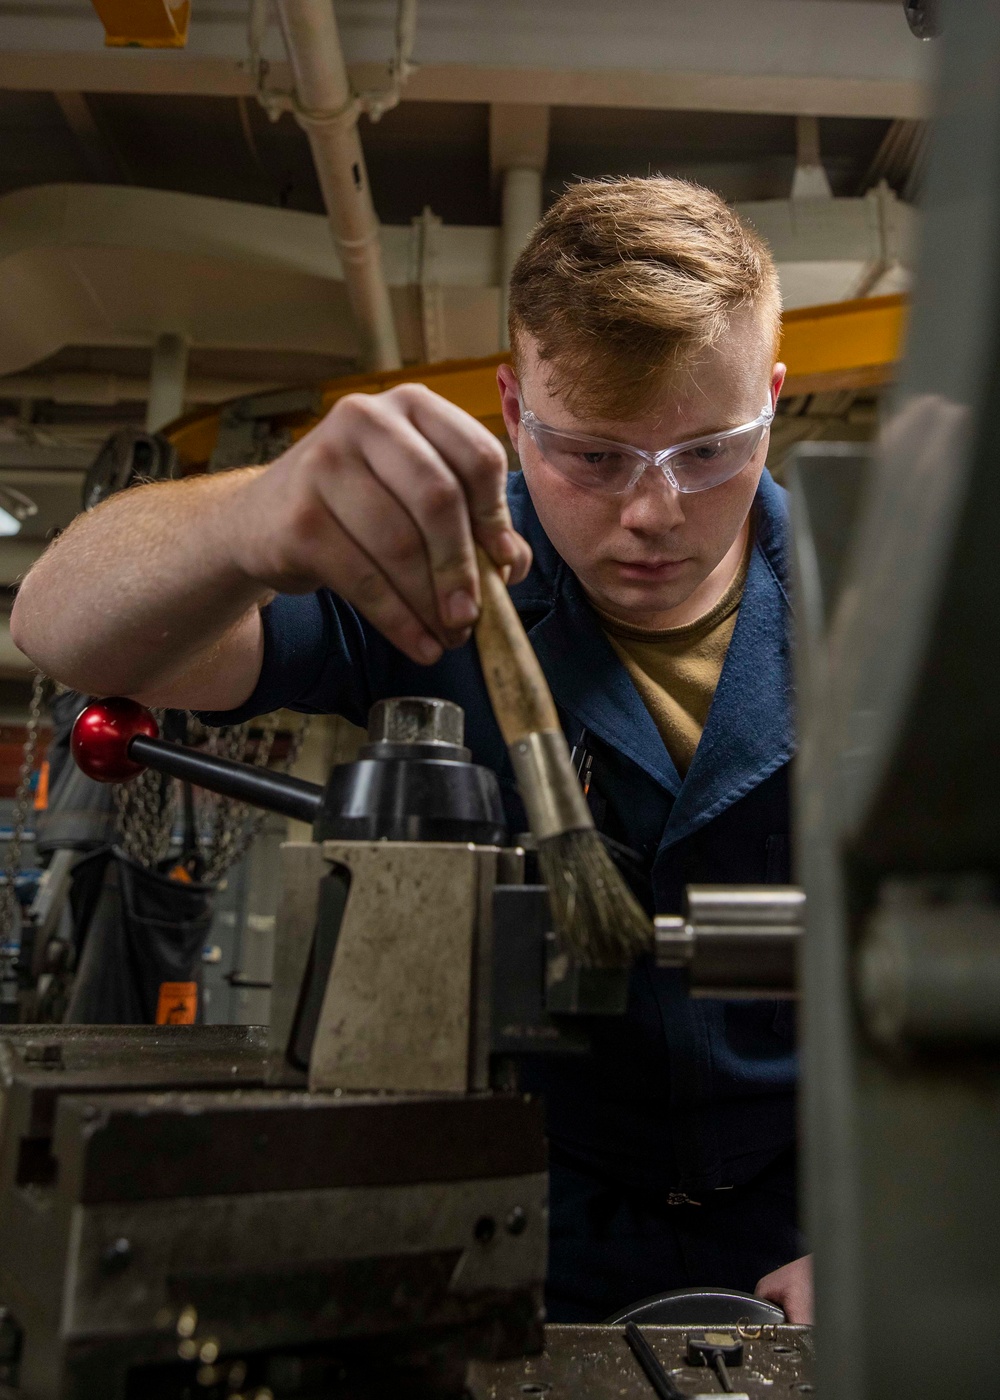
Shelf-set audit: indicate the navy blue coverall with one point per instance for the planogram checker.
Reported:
(673, 1144)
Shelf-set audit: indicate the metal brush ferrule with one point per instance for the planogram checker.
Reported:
(549, 788)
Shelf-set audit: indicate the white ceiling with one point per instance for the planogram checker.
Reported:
(825, 57)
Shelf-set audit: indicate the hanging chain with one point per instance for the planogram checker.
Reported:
(10, 913)
(147, 806)
(227, 819)
(146, 810)
(235, 825)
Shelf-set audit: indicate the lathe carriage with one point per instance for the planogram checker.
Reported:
(352, 1202)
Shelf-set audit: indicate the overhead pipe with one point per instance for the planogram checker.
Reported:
(167, 380)
(521, 209)
(519, 149)
(810, 180)
(328, 112)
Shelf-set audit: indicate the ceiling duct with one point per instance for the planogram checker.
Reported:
(89, 265)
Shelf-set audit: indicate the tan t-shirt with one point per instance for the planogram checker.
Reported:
(676, 669)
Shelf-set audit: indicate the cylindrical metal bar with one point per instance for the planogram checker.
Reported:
(743, 906)
(747, 962)
(521, 209)
(329, 118)
(275, 792)
(674, 941)
(737, 940)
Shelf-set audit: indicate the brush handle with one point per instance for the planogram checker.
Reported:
(518, 690)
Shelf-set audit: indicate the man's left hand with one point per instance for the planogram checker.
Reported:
(791, 1287)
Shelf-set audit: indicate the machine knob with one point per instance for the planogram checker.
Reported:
(101, 737)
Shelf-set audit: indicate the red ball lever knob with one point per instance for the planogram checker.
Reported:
(102, 734)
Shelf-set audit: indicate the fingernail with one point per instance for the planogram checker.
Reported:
(428, 650)
(461, 608)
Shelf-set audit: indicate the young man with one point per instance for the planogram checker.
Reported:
(646, 548)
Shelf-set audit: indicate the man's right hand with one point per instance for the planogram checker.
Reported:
(383, 502)
(157, 592)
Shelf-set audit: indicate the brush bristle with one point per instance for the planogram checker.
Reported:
(597, 917)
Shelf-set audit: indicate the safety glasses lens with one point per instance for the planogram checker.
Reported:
(710, 462)
(595, 466)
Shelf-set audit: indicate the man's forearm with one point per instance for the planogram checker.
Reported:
(134, 592)
(156, 594)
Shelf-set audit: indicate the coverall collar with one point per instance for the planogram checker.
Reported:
(748, 734)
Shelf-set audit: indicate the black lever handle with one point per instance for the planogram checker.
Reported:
(114, 740)
(275, 792)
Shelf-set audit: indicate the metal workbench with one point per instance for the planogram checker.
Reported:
(595, 1363)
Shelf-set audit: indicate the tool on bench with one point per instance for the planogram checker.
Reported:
(410, 815)
(735, 940)
(595, 913)
(720, 1350)
(658, 1378)
(716, 1349)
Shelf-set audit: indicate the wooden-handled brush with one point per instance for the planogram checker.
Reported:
(596, 915)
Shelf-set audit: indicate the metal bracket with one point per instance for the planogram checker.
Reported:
(398, 1009)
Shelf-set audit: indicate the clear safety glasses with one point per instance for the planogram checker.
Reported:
(612, 468)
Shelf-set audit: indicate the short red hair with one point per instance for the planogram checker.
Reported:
(625, 280)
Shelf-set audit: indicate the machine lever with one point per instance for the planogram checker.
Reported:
(114, 740)
(275, 792)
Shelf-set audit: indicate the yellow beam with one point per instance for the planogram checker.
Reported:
(144, 24)
(846, 345)
(472, 384)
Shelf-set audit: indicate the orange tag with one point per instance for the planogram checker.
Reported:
(42, 790)
(178, 1004)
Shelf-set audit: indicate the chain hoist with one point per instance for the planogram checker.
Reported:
(235, 825)
(19, 819)
(146, 808)
(10, 912)
(148, 805)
